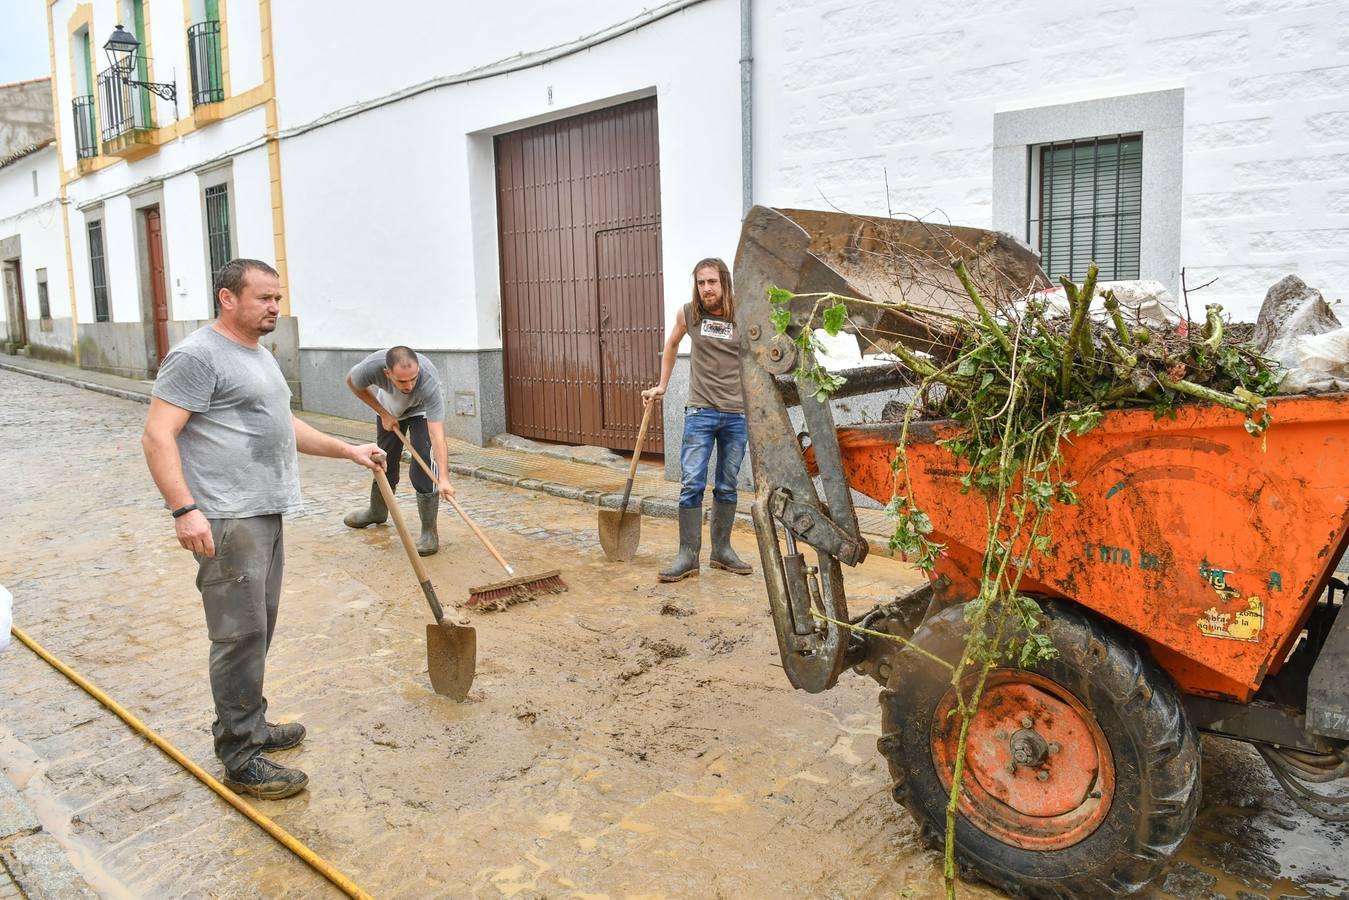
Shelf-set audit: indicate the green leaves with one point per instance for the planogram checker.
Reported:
(834, 317)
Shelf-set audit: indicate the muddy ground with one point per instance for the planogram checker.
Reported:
(622, 739)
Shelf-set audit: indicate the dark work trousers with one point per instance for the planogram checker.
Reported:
(240, 591)
(415, 429)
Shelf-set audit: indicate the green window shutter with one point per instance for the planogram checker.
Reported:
(142, 69)
(1090, 209)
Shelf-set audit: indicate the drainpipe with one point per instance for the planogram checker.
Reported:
(746, 106)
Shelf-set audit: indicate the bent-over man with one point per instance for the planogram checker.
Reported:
(403, 388)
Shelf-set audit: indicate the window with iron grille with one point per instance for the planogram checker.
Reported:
(218, 232)
(44, 305)
(1090, 206)
(98, 271)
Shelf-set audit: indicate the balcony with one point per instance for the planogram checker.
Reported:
(208, 83)
(86, 134)
(128, 130)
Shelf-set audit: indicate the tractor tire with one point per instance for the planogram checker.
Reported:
(1082, 772)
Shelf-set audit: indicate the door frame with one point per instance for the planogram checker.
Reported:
(16, 311)
(143, 201)
(487, 199)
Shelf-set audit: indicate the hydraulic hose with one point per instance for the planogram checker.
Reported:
(283, 837)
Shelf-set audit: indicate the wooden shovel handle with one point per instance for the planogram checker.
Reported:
(637, 453)
(455, 503)
(408, 544)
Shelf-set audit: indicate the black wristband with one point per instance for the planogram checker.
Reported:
(184, 510)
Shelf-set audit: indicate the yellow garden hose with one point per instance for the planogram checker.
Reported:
(344, 884)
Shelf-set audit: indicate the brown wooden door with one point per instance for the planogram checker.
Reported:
(578, 203)
(159, 297)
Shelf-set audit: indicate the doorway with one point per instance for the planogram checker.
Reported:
(16, 315)
(158, 294)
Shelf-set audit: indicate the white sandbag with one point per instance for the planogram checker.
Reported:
(1291, 312)
(1145, 302)
(6, 616)
(1320, 363)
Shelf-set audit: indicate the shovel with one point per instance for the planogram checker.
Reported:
(451, 648)
(619, 534)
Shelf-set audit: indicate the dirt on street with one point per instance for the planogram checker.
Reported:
(623, 739)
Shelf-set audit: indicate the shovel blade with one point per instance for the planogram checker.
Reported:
(451, 658)
(620, 532)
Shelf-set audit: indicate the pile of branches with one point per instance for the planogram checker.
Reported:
(1097, 354)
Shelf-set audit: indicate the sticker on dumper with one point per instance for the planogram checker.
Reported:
(1243, 625)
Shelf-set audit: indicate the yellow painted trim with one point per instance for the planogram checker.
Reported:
(82, 17)
(274, 155)
(65, 209)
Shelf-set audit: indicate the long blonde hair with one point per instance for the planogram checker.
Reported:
(727, 299)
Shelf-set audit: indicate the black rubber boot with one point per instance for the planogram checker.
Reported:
(376, 514)
(723, 557)
(427, 507)
(690, 545)
(266, 780)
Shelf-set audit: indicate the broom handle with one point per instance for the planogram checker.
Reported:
(455, 503)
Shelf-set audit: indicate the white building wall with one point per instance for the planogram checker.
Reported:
(185, 248)
(347, 51)
(391, 214)
(36, 220)
(849, 94)
(245, 42)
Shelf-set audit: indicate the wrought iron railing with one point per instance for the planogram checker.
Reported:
(203, 47)
(125, 107)
(86, 129)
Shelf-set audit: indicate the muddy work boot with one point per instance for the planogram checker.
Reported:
(427, 507)
(283, 737)
(722, 556)
(690, 545)
(266, 780)
(376, 514)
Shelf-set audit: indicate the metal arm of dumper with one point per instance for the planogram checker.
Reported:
(773, 251)
(897, 265)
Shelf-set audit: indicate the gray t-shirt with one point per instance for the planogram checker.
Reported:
(426, 398)
(238, 446)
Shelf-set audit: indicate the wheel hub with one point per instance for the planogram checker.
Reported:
(1038, 770)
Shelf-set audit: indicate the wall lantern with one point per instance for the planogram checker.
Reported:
(122, 49)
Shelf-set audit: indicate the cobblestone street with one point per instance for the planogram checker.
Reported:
(623, 738)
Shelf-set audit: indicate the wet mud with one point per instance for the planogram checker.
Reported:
(625, 738)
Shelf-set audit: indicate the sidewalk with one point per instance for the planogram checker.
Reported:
(587, 482)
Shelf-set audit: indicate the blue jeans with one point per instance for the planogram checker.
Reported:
(702, 429)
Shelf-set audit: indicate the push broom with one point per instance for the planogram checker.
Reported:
(499, 594)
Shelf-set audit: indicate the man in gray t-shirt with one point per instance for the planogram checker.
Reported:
(403, 388)
(220, 441)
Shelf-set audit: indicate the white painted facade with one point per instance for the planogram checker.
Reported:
(30, 223)
(849, 94)
(385, 120)
(404, 194)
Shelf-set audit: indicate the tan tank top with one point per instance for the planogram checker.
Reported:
(714, 366)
